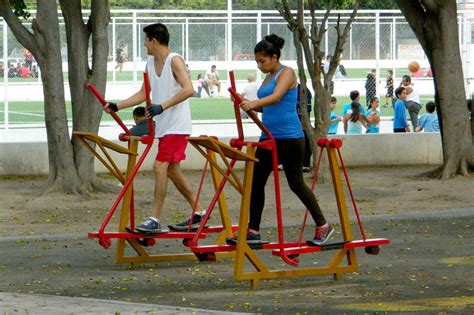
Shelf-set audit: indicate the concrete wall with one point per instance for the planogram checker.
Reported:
(31, 158)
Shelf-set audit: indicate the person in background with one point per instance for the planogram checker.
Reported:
(389, 87)
(429, 121)
(249, 92)
(212, 79)
(399, 115)
(370, 86)
(373, 116)
(277, 100)
(333, 117)
(355, 97)
(412, 100)
(141, 122)
(120, 58)
(354, 120)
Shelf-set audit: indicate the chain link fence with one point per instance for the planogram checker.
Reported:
(377, 39)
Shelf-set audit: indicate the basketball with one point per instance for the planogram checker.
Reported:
(413, 66)
(374, 119)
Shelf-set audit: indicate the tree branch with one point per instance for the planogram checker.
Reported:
(23, 35)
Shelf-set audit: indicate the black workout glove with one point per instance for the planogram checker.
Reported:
(113, 106)
(154, 110)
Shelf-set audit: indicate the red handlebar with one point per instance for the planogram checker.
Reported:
(104, 103)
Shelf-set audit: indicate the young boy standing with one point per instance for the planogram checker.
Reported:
(334, 118)
(429, 121)
(399, 114)
(389, 87)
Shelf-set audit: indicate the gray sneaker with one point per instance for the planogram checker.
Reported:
(150, 226)
(183, 226)
(322, 234)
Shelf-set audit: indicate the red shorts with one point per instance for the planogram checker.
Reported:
(172, 148)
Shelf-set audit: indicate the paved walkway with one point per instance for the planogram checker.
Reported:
(17, 303)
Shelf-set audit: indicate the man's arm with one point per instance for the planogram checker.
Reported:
(137, 98)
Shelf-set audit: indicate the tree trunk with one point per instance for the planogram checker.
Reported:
(44, 44)
(309, 48)
(434, 23)
(85, 108)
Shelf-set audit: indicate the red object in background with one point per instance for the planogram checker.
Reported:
(429, 72)
(418, 74)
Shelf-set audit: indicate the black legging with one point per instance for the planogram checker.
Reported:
(290, 155)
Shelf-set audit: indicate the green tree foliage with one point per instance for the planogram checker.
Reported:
(239, 4)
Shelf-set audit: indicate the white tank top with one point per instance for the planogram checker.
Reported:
(177, 119)
(414, 96)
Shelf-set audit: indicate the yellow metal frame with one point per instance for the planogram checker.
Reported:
(132, 152)
(334, 267)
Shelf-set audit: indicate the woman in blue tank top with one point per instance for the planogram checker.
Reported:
(277, 101)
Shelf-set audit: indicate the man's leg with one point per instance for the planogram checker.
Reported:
(161, 185)
(413, 109)
(182, 183)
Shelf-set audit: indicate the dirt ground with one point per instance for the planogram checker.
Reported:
(378, 191)
(427, 268)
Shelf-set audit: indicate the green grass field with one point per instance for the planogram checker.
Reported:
(239, 75)
(201, 109)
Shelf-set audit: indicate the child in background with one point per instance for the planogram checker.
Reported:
(373, 116)
(334, 118)
(429, 121)
(389, 87)
(399, 114)
(354, 120)
(200, 83)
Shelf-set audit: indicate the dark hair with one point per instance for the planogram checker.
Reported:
(469, 104)
(406, 77)
(372, 99)
(354, 94)
(159, 32)
(333, 99)
(270, 45)
(355, 106)
(430, 107)
(139, 111)
(399, 90)
(390, 71)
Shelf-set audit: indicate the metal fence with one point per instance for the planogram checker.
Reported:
(377, 39)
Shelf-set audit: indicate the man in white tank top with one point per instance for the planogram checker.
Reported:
(170, 89)
(412, 102)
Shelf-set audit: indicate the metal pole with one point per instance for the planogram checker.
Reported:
(114, 49)
(186, 43)
(229, 30)
(259, 37)
(134, 39)
(5, 73)
(377, 52)
(394, 47)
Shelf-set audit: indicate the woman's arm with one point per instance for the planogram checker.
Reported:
(285, 81)
(345, 120)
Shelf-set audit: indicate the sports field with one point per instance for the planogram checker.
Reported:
(201, 109)
(352, 73)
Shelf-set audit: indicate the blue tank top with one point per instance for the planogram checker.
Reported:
(281, 118)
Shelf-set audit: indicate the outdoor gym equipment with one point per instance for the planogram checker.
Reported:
(222, 159)
(290, 251)
(137, 241)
